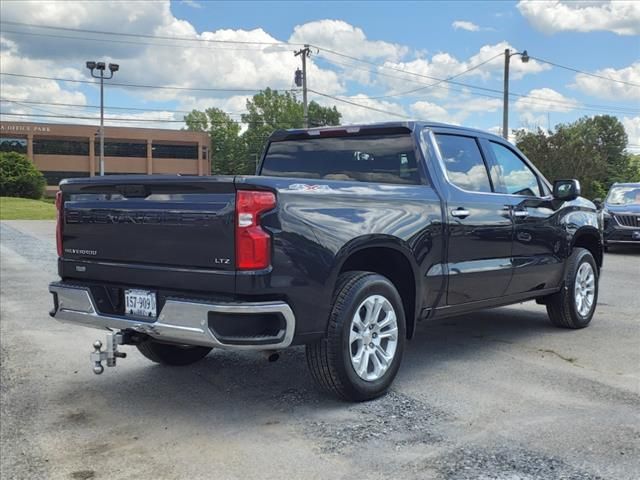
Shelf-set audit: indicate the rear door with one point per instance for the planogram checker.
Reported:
(480, 228)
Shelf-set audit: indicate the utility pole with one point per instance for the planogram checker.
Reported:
(304, 53)
(100, 66)
(505, 98)
(524, 56)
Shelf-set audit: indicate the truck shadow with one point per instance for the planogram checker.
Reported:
(244, 388)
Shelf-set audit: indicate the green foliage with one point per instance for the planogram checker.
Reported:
(270, 110)
(591, 149)
(228, 154)
(235, 153)
(19, 177)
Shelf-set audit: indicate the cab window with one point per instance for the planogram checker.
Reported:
(464, 163)
(516, 178)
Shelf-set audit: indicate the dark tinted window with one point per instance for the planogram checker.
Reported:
(370, 158)
(175, 151)
(54, 178)
(464, 163)
(515, 176)
(8, 144)
(122, 149)
(45, 146)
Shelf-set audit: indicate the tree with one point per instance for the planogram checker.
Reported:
(270, 110)
(19, 177)
(591, 149)
(228, 152)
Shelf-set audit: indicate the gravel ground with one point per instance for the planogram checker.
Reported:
(495, 395)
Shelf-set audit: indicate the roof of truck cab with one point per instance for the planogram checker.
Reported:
(410, 125)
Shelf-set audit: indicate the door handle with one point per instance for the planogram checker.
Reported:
(460, 213)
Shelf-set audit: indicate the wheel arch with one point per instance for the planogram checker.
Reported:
(390, 257)
(590, 238)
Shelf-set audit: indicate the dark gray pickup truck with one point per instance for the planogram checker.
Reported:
(345, 239)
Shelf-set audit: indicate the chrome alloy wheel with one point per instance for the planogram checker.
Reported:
(584, 289)
(373, 337)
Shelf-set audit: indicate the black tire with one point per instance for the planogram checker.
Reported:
(561, 306)
(329, 359)
(176, 355)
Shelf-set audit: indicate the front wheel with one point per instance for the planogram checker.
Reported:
(575, 305)
(361, 354)
(168, 354)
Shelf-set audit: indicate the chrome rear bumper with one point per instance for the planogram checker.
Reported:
(180, 321)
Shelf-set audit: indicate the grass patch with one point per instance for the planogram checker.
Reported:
(12, 208)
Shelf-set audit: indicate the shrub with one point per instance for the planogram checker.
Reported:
(19, 177)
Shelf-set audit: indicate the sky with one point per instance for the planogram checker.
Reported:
(375, 61)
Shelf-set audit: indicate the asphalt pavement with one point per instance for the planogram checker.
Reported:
(500, 394)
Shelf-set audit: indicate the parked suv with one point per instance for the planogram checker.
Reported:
(345, 239)
(620, 215)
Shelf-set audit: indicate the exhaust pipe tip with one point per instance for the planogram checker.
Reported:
(271, 355)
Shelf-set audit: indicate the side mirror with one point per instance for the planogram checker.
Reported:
(566, 190)
(598, 203)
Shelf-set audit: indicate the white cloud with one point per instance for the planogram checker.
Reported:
(353, 114)
(602, 88)
(178, 63)
(424, 110)
(32, 89)
(621, 17)
(192, 4)
(464, 25)
(445, 65)
(545, 100)
(343, 37)
(632, 127)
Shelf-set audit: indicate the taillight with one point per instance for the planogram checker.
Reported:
(59, 221)
(253, 244)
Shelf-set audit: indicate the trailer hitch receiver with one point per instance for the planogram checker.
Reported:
(110, 354)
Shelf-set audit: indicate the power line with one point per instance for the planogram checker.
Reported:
(133, 85)
(141, 35)
(78, 117)
(130, 42)
(526, 98)
(143, 120)
(408, 92)
(359, 105)
(79, 105)
(602, 77)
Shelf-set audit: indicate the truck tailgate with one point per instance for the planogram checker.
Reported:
(163, 220)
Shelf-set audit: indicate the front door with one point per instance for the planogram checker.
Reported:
(480, 227)
(537, 262)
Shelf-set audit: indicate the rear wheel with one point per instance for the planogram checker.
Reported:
(575, 304)
(361, 354)
(168, 354)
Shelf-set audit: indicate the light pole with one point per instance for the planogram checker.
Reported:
(524, 56)
(100, 66)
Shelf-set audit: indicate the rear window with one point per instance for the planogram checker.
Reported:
(370, 158)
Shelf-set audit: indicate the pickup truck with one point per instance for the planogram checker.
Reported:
(342, 242)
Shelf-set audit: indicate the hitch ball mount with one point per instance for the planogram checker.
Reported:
(110, 354)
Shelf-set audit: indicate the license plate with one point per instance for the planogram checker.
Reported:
(140, 303)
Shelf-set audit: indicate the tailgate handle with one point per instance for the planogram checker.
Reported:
(133, 191)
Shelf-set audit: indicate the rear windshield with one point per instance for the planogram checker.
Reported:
(370, 158)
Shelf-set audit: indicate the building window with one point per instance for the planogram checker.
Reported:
(53, 178)
(48, 146)
(175, 151)
(8, 144)
(122, 149)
